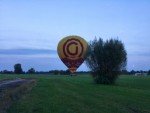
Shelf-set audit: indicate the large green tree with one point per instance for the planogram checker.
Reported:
(18, 69)
(106, 59)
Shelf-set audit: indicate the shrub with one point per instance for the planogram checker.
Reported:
(106, 60)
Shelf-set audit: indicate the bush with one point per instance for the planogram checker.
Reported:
(106, 60)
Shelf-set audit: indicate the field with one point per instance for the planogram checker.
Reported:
(66, 94)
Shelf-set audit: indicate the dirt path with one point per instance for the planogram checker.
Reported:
(11, 90)
(7, 84)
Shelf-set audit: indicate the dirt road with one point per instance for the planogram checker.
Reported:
(6, 84)
(11, 90)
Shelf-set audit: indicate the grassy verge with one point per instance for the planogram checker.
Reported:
(9, 95)
(65, 94)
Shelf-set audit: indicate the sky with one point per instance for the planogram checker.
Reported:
(30, 30)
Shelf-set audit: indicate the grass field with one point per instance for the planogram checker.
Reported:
(65, 94)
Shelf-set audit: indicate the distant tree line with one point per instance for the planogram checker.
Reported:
(133, 72)
(18, 70)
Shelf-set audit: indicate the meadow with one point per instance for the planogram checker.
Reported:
(79, 94)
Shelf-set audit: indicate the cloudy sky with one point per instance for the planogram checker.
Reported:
(31, 29)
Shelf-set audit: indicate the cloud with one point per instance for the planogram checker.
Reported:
(27, 51)
(40, 59)
(140, 62)
(19, 39)
(139, 58)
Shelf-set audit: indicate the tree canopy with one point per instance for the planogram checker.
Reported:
(18, 69)
(106, 59)
(31, 71)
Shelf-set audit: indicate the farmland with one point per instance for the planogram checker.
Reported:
(79, 94)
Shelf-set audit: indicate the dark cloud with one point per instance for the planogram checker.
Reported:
(41, 60)
(26, 51)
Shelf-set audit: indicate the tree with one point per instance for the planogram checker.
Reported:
(18, 69)
(124, 72)
(67, 72)
(148, 72)
(132, 72)
(106, 60)
(56, 72)
(31, 71)
(6, 72)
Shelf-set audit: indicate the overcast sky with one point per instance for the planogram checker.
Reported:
(31, 29)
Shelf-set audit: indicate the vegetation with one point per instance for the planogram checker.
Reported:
(18, 69)
(31, 71)
(148, 72)
(66, 94)
(10, 94)
(106, 60)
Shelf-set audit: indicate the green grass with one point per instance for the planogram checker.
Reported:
(8, 96)
(65, 94)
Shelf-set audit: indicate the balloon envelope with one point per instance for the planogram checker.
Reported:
(72, 51)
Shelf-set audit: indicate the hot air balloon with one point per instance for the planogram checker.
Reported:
(72, 52)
